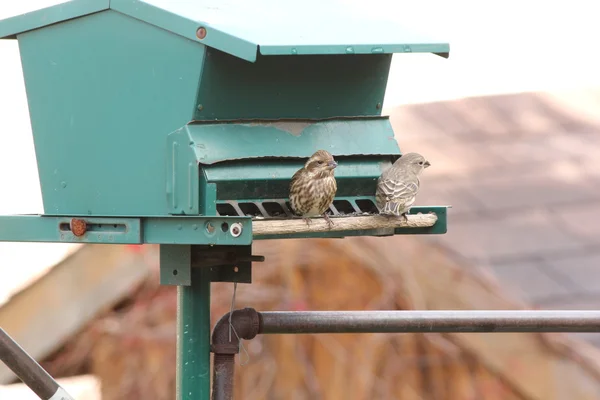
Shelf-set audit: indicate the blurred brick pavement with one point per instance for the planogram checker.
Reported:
(522, 173)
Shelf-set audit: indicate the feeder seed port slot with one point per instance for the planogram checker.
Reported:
(367, 206)
(343, 207)
(250, 209)
(281, 208)
(274, 209)
(227, 210)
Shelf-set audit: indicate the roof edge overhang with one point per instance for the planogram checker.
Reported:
(215, 38)
(12, 26)
(248, 50)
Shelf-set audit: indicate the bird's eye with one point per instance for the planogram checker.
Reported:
(420, 162)
(320, 162)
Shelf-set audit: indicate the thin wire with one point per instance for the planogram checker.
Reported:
(231, 310)
(231, 328)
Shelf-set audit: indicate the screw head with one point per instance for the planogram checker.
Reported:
(236, 229)
(378, 106)
(200, 107)
(201, 33)
(78, 227)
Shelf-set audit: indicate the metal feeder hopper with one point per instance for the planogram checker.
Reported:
(180, 123)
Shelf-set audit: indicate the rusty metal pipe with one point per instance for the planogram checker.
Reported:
(248, 323)
(225, 345)
(223, 376)
(428, 321)
(29, 371)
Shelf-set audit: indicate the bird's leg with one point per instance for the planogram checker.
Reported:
(307, 220)
(329, 221)
(405, 217)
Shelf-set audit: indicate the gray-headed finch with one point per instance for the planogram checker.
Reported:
(313, 187)
(398, 186)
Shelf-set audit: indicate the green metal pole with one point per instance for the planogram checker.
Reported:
(193, 337)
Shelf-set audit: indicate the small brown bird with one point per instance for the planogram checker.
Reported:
(397, 187)
(313, 187)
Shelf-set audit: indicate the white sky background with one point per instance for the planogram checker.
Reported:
(496, 47)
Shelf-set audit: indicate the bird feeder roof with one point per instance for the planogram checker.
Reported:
(245, 28)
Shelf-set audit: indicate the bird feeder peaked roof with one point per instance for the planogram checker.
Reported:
(245, 28)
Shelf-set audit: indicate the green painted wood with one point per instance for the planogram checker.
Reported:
(10, 27)
(193, 337)
(274, 27)
(309, 87)
(103, 92)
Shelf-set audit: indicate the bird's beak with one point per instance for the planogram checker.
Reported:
(426, 164)
(332, 164)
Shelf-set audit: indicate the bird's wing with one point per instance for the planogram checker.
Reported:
(394, 189)
(296, 176)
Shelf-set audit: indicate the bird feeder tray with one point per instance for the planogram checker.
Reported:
(237, 175)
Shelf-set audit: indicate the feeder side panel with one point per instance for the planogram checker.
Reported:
(104, 91)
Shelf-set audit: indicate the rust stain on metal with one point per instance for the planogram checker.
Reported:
(78, 227)
(295, 128)
(292, 127)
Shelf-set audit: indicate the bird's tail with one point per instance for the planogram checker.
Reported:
(390, 208)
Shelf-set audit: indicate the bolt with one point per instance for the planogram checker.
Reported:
(78, 227)
(378, 106)
(200, 107)
(201, 33)
(236, 229)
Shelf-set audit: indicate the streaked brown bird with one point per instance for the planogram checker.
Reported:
(398, 186)
(313, 187)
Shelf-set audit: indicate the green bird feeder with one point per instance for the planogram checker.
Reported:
(181, 123)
